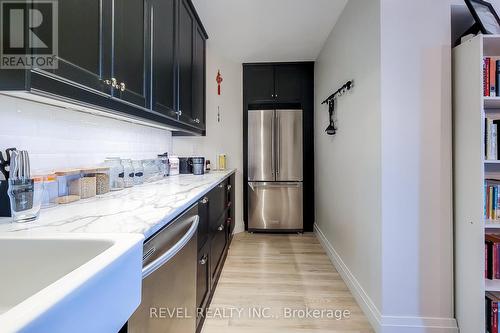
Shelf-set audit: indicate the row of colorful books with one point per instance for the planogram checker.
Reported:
(491, 199)
(492, 299)
(491, 76)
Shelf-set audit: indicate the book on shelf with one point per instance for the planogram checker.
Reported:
(491, 305)
(492, 199)
(491, 73)
(492, 256)
(491, 144)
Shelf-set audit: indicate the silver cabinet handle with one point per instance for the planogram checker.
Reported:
(122, 86)
(229, 187)
(197, 120)
(157, 263)
(221, 185)
(179, 113)
(203, 260)
(221, 227)
(204, 200)
(111, 82)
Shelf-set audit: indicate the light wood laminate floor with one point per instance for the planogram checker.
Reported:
(266, 277)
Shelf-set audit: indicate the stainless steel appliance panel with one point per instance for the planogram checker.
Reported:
(169, 279)
(261, 145)
(289, 155)
(275, 206)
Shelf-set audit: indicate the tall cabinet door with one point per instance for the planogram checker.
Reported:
(162, 48)
(185, 61)
(261, 145)
(198, 114)
(259, 82)
(289, 152)
(81, 51)
(128, 51)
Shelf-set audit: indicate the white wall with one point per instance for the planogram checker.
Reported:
(416, 163)
(61, 138)
(224, 136)
(347, 165)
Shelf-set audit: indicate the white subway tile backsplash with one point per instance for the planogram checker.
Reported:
(62, 138)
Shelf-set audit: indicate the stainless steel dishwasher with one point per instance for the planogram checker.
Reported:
(169, 279)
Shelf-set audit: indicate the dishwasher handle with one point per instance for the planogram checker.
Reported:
(153, 266)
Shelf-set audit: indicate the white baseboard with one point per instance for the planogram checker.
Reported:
(380, 323)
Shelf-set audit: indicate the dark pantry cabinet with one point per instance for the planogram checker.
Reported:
(216, 211)
(142, 59)
(283, 86)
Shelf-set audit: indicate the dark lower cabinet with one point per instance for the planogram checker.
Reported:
(215, 247)
(203, 281)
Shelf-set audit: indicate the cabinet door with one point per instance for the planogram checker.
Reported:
(198, 114)
(185, 61)
(217, 244)
(128, 51)
(203, 226)
(217, 202)
(259, 83)
(288, 83)
(80, 40)
(162, 54)
(203, 278)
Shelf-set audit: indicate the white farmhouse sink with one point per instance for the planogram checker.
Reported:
(69, 282)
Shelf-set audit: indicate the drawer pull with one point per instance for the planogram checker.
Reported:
(203, 260)
(229, 187)
(204, 200)
(221, 227)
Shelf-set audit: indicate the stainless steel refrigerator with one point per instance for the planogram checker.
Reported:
(275, 170)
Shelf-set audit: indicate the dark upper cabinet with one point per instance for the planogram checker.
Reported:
(259, 83)
(185, 61)
(199, 77)
(289, 80)
(143, 59)
(82, 53)
(162, 49)
(129, 63)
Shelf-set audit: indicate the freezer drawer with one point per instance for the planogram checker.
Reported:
(275, 206)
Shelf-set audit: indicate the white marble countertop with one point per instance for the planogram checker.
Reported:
(143, 209)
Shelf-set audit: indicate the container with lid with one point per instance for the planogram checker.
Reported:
(116, 174)
(174, 165)
(138, 172)
(185, 165)
(102, 180)
(50, 190)
(128, 172)
(88, 183)
(164, 164)
(198, 165)
(68, 185)
(151, 170)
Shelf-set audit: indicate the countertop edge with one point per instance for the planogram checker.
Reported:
(178, 211)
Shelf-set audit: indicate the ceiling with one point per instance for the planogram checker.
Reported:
(269, 30)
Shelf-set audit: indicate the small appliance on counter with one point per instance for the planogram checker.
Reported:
(198, 165)
(185, 165)
(174, 165)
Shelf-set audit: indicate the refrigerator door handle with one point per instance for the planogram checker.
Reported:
(273, 138)
(278, 144)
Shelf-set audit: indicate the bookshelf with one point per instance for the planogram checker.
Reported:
(471, 169)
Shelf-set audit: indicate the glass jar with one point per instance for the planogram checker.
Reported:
(138, 172)
(68, 185)
(116, 173)
(174, 165)
(164, 164)
(88, 183)
(151, 170)
(102, 180)
(128, 171)
(50, 191)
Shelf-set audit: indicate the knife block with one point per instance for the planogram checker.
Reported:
(4, 199)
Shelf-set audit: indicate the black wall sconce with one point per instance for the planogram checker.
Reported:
(332, 128)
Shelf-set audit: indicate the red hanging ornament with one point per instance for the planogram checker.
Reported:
(218, 79)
